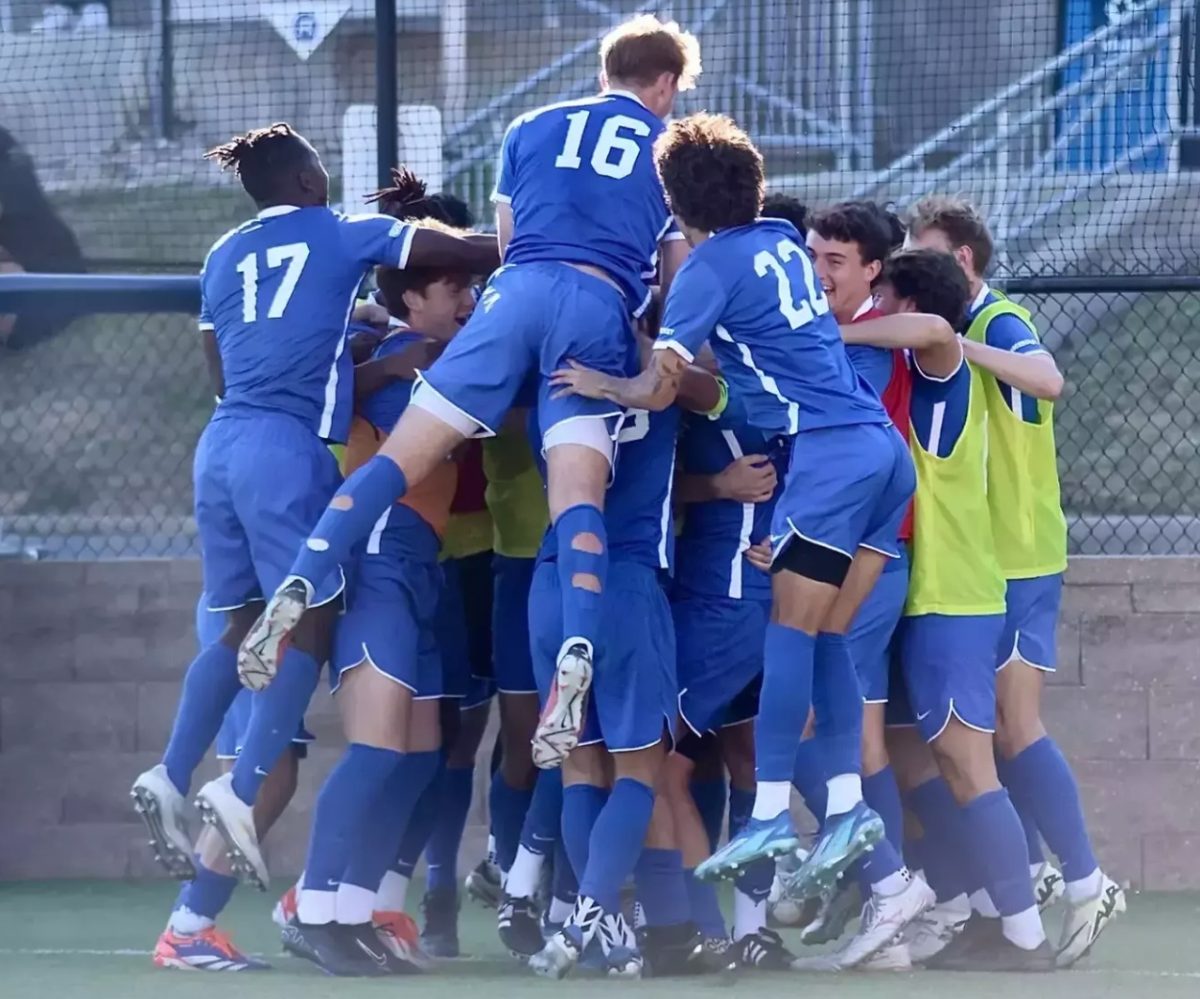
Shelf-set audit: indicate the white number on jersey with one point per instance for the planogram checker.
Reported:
(635, 426)
(796, 313)
(608, 142)
(296, 256)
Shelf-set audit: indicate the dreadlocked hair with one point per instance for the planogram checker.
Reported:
(407, 198)
(258, 156)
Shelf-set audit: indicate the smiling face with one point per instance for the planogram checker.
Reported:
(440, 308)
(843, 273)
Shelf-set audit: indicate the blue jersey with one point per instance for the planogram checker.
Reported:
(581, 180)
(637, 506)
(1013, 334)
(383, 408)
(711, 548)
(278, 292)
(753, 289)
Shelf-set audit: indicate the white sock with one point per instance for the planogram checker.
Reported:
(893, 884)
(560, 911)
(316, 907)
(981, 902)
(392, 894)
(845, 791)
(1085, 888)
(525, 873)
(959, 906)
(1035, 870)
(749, 916)
(491, 849)
(183, 920)
(1024, 929)
(354, 904)
(771, 798)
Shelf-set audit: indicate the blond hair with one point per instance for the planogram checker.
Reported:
(643, 48)
(959, 220)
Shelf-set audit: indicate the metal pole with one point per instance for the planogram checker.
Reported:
(386, 94)
(167, 72)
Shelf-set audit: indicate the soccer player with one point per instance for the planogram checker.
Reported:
(750, 286)
(581, 217)
(954, 616)
(1020, 382)
(276, 295)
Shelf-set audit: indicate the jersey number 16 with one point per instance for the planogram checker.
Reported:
(295, 255)
(609, 141)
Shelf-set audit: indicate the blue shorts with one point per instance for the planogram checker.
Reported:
(950, 670)
(874, 627)
(533, 318)
(718, 653)
(511, 659)
(633, 696)
(744, 707)
(846, 487)
(463, 628)
(1031, 623)
(261, 485)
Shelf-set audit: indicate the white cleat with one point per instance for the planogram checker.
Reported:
(163, 811)
(1048, 886)
(884, 918)
(931, 932)
(264, 645)
(893, 957)
(234, 820)
(557, 958)
(1086, 921)
(562, 718)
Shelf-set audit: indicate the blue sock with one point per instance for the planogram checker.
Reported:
(421, 821)
(1041, 776)
(661, 887)
(882, 795)
(808, 778)
(543, 820)
(705, 905)
(947, 867)
(996, 841)
(581, 607)
(507, 808)
(441, 855)
(710, 796)
(837, 705)
(208, 893)
(1033, 838)
(378, 843)
(345, 805)
(784, 702)
(741, 804)
(209, 687)
(914, 853)
(277, 714)
(373, 488)
(582, 804)
(563, 884)
(616, 842)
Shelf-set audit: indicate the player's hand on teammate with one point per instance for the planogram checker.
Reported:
(750, 479)
(575, 379)
(759, 555)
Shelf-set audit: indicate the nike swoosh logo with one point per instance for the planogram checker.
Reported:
(922, 717)
(379, 959)
(261, 772)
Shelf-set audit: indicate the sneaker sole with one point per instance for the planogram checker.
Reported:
(811, 879)
(558, 729)
(260, 651)
(241, 864)
(174, 860)
(728, 871)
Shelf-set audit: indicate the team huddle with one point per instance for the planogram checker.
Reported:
(716, 497)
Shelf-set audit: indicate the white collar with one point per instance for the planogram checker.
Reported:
(981, 297)
(623, 93)
(276, 210)
(863, 309)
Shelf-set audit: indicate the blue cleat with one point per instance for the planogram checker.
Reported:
(843, 840)
(759, 839)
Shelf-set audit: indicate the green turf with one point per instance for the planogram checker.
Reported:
(48, 928)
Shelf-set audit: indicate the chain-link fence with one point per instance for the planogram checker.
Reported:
(1073, 123)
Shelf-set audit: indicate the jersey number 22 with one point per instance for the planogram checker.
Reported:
(796, 313)
(609, 141)
(295, 255)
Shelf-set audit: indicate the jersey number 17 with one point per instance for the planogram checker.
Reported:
(295, 255)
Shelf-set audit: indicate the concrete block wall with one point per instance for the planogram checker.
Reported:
(91, 655)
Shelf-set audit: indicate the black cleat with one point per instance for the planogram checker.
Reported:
(483, 884)
(439, 938)
(999, 955)
(519, 927)
(977, 932)
(330, 948)
(364, 938)
(716, 956)
(668, 950)
(764, 950)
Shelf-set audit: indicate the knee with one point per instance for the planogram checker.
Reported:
(967, 777)
(1018, 726)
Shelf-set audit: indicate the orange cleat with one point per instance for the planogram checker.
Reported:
(285, 908)
(399, 932)
(208, 950)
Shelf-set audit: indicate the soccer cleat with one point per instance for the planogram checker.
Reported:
(764, 950)
(1087, 920)
(264, 645)
(1048, 886)
(759, 838)
(835, 908)
(998, 954)
(622, 959)
(668, 950)
(398, 932)
(844, 838)
(559, 955)
(884, 917)
(366, 939)
(234, 820)
(893, 957)
(483, 884)
(716, 956)
(623, 962)
(977, 933)
(440, 936)
(208, 950)
(162, 810)
(285, 908)
(930, 933)
(333, 949)
(561, 720)
(519, 928)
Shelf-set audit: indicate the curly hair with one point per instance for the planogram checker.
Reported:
(788, 208)
(861, 222)
(931, 280)
(712, 174)
(262, 156)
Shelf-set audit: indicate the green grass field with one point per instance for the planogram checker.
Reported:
(92, 939)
